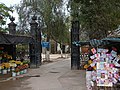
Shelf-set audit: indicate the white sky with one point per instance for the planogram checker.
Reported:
(11, 3)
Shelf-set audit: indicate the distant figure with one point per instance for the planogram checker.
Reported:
(22, 55)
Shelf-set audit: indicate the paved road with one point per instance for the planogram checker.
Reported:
(53, 76)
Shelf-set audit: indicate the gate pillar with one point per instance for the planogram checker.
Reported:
(12, 30)
(35, 59)
(75, 50)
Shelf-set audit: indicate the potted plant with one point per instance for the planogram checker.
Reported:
(23, 68)
(16, 72)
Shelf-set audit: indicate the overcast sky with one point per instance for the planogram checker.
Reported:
(11, 3)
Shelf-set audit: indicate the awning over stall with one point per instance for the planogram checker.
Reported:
(93, 43)
(112, 39)
(15, 39)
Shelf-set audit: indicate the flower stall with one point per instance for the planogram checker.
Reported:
(10, 66)
(14, 67)
(102, 69)
(20, 68)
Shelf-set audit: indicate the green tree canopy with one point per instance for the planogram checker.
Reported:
(4, 14)
(97, 17)
(51, 14)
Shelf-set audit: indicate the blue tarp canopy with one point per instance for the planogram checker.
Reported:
(102, 42)
(96, 43)
(108, 42)
(93, 43)
(112, 39)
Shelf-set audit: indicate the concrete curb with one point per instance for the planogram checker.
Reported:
(12, 78)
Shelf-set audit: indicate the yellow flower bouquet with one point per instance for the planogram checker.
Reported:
(18, 62)
(89, 66)
(12, 61)
(5, 65)
(0, 67)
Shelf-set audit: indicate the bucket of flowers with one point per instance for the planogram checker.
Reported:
(17, 70)
(23, 68)
(27, 62)
(5, 67)
(12, 64)
(20, 68)
(14, 74)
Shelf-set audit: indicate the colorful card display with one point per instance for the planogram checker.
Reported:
(105, 74)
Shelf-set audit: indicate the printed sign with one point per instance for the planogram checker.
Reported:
(45, 44)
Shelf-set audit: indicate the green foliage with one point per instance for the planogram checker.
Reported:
(26, 62)
(100, 16)
(51, 15)
(60, 31)
(97, 17)
(4, 14)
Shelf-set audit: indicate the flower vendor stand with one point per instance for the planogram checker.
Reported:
(13, 68)
(21, 68)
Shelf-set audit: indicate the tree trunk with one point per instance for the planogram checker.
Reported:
(61, 53)
(47, 56)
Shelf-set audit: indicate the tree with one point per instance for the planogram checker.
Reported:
(97, 17)
(4, 14)
(51, 15)
(48, 11)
